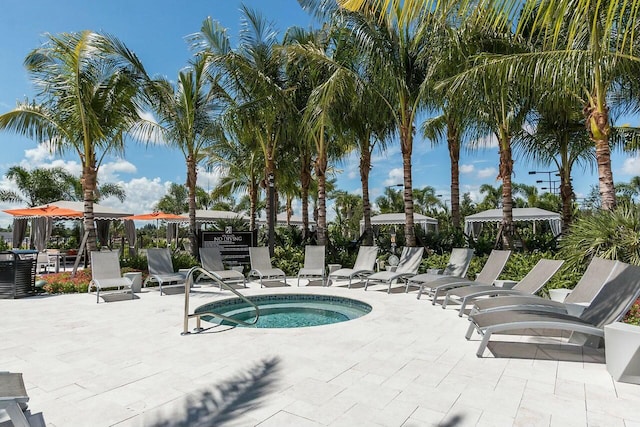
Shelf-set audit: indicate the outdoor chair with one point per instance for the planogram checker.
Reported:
(161, 268)
(612, 302)
(106, 273)
(14, 398)
(365, 262)
(595, 276)
(43, 262)
(313, 263)
(261, 266)
(458, 265)
(410, 261)
(535, 280)
(489, 273)
(211, 260)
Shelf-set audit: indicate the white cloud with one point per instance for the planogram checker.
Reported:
(395, 176)
(142, 195)
(35, 156)
(467, 169)
(487, 172)
(631, 166)
(489, 141)
(208, 180)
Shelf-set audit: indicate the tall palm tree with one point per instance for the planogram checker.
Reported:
(88, 86)
(254, 74)
(395, 52)
(188, 118)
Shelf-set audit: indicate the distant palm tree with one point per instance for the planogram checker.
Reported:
(176, 201)
(38, 186)
(88, 97)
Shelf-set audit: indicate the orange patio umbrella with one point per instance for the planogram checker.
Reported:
(157, 216)
(45, 211)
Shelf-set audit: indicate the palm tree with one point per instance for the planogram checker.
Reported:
(175, 201)
(426, 200)
(395, 52)
(391, 201)
(493, 197)
(88, 99)
(558, 140)
(38, 186)
(254, 74)
(188, 119)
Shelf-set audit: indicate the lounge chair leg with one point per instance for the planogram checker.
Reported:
(389, 290)
(483, 344)
(472, 327)
(463, 305)
(446, 300)
(366, 283)
(419, 292)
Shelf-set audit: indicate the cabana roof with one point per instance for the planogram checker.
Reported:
(99, 211)
(473, 223)
(206, 216)
(399, 218)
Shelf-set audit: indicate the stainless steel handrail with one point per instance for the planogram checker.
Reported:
(187, 288)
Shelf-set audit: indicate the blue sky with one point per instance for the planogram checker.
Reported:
(155, 30)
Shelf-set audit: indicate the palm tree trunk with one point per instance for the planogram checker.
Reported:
(253, 204)
(406, 143)
(321, 170)
(453, 142)
(192, 175)
(506, 171)
(365, 168)
(598, 126)
(89, 182)
(305, 181)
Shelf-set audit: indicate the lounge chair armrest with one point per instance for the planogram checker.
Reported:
(435, 270)
(576, 309)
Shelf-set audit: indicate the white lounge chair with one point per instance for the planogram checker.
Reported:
(595, 276)
(261, 266)
(365, 262)
(489, 273)
(535, 280)
(610, 305)
(161, 268)
(106, 273)
(211, 260)
(410, 261)
(313, 263)
(14, 398)
(458, 265)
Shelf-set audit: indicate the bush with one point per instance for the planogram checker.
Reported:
(609, 235)
(63, 283)
(633, 316)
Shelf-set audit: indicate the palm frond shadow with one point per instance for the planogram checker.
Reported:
(221, 403)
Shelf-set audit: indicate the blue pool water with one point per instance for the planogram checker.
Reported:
(287, 310)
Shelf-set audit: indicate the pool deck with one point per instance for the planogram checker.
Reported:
(406, 363)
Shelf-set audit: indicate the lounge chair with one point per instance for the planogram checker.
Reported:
(489, 273)
(610, 305)
(211, 260)
(261, 266)
(14, 398)
(106, 274)
(458, 265)
(313, 263)
(410, 261)
(161, 268)
(365, 262)
(529, 285)
(596, 275)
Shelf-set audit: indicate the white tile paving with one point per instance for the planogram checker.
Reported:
(404, 364)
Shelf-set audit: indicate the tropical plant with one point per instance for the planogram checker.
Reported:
(88, 98)
(175, 201)
(606, 234)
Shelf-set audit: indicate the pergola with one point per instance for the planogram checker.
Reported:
(399, 218)
(473, 223)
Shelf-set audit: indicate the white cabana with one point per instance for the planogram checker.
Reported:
(207, 216)
(99, 211)
(473, 223)
(399, 218)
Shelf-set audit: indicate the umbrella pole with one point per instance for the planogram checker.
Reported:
(157, 233)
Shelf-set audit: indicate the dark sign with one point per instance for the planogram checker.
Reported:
(233, 246)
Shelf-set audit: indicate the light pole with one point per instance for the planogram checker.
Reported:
(551, 182)
(272, 213)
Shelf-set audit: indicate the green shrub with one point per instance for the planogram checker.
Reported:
(609, 235)
(633, 316)
(289, 259)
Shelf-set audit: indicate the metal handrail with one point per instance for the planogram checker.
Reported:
(187, 288)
